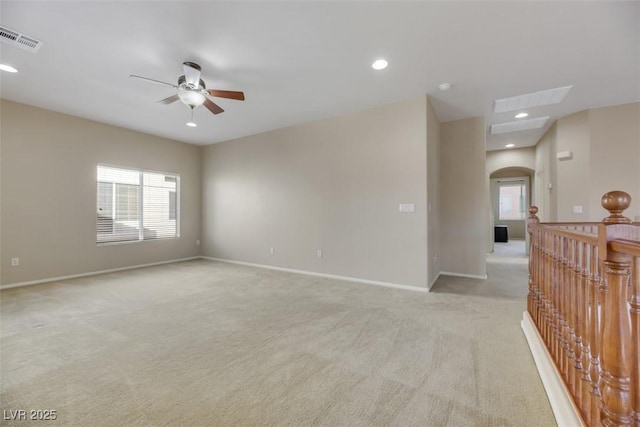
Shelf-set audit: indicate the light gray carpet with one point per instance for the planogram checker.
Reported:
(207, 343)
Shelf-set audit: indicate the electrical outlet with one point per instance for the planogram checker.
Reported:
(15, 262)
(272, 251)
(319, 253)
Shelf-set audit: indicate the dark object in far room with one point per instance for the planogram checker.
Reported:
(501, 233)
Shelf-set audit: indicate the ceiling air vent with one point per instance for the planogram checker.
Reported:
(17, 39)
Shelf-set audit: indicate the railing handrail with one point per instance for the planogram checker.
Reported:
(577, 224)
(580, 236)
(625, 246)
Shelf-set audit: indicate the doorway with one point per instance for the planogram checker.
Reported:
(510, 190)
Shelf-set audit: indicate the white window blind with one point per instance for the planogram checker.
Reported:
(136, 205)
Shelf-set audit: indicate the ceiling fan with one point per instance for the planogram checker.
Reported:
(193, 92)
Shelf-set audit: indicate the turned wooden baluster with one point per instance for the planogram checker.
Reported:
(564, 290)
(575, 329)
(542, 286)
(532, 221)
(531, 297)
(577, 320)
(553, 302)
(598, 291)
(539, 278)
(635, 341)
(546, 295)
(616, 343)
(557, 306)
(570, 299)
(585, 324)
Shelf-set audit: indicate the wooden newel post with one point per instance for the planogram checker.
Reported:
(616, 321)
(533, 262)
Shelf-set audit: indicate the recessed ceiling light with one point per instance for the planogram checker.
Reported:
(191, 124)
(444, 86)
(379, 64)
(521, 115)
(8, 68)
(510, 145)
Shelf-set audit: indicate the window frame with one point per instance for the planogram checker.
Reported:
(141, 235)
(522, 182)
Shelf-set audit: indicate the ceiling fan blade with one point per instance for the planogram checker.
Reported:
(153, 80)
(192, 73)
(169, 100)
(231, 94)
(213, 107)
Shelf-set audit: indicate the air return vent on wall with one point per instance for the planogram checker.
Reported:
(17, 39)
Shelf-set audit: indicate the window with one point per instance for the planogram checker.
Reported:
(135, 205)
(513, 200)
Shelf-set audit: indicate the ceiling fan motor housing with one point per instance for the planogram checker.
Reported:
(182, 80)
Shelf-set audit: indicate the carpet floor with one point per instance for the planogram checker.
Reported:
(208, 343)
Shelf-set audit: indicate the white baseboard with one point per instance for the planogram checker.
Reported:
(328, 276)
(564, 409)
(92, 273)
(468, 276)
(433, 282)
(289, 270)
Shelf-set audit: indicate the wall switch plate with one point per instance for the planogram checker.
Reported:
(407, 207)
(15, 262)
(319, 253)
(272, 251)
(577, 209)
(197, 242)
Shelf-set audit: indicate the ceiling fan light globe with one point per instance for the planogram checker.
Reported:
(191, 98)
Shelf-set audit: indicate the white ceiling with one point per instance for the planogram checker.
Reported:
(302, 61)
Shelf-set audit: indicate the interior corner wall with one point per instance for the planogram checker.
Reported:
(433, 194)
(48, 178)
(545, 197)
(333, 185)
(464, 197)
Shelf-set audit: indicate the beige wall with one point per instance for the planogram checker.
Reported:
(333, 185)
(464, 197)
(605, 143)
(574, 175)
(48, 181)
(615, 156)
(517, 157)
(433, 194)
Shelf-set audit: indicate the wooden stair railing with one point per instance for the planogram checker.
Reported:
(584, 299)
